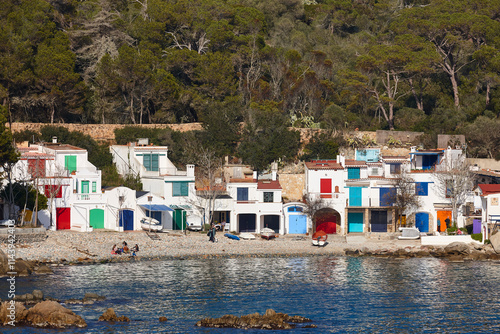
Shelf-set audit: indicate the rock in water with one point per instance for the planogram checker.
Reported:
(111, 316)
(270, 320)
(52, 314)
(20, 313)
(495, 242)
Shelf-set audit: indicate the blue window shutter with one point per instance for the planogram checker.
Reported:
(422, 188)
(352, 173)
(242, 194)
(355, 198)
(387, 196)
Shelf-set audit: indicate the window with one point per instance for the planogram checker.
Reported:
(352, 173)
(53, 191)
(94, 186)
(295, 209)
(85, 187)
(422, 188)
(150, 162)
(325, 187)
(395, 168)
(374, 171)
(449, 188)
(36, 167)
(180, 188)
(268, 197)
(242, 194)
(70, 163)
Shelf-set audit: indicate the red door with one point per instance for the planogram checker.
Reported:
(327, 224)
(63, 218)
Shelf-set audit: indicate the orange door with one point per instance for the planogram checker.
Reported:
(443, 220)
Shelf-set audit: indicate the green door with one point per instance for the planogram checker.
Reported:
(85, 187)
(179, 219)
(97, 218)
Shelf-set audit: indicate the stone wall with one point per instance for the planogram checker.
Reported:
(103, 132)
(293, 181)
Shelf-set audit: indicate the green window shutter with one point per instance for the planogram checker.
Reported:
(154, 162)
(146, 161)
(85, 187)
(94, 186)
(70, 163)
(180, 188)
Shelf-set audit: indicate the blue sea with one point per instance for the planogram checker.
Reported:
(339, 294)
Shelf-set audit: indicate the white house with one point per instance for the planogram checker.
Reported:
(489, 195)
(71, 183)
(122, 213)
(256, 204)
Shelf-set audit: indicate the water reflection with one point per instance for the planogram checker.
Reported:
(341, 294)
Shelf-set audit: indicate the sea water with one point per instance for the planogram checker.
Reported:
(339, 294)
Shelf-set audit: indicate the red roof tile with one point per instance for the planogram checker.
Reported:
(323, 164)
(267, 184)
(488, 189)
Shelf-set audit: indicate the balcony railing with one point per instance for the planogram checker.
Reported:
(89, 197)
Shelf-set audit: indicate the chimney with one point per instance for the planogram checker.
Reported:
(190, 170)
(273, 175)
(54, 140)
(255, 175)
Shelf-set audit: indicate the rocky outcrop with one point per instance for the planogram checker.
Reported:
(30, 298)
(495, 242)
(111, 316)
(20, 267)
(163, 319)
(54, 315)
(12, 313)
(270, 320)
(89, 298)
(49, 314)
(456, 252)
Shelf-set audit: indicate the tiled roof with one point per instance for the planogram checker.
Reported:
(63, 147)
(323, 164)
(242, 180)
(269, 185)
(488, 189)
(355, 163)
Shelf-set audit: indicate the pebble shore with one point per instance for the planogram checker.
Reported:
(95, 247)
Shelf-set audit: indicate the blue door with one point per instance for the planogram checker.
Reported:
(355, 196)
(422, 221)
(355, 220)
(297, 224)
(127, 220)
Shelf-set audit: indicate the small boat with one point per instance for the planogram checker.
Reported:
(231, 236)
(247, 236)
(151, 224)
(267, 233)
(319, 238)
(409, 233)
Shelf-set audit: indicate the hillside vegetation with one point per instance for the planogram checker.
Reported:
(418, 65)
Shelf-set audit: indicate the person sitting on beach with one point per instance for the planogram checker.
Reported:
(115, 250)
(135, 249)
(125, 248)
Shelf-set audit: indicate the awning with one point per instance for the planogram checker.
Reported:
(180, 207)
(156, 207)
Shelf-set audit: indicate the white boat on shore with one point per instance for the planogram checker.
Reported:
(247, 236)
(409, 233)
(267, 233)
(151, 224)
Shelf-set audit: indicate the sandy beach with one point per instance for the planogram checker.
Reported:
(68, 246)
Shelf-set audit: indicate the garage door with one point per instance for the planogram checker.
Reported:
(127, 220)
(379, 221)
(246, 222)
(422, 221)
(355, 222)
(63, 218)
(297, 224)
(97, 218)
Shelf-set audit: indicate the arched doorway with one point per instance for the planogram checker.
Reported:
(326, 220)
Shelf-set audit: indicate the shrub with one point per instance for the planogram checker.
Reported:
(477, 236)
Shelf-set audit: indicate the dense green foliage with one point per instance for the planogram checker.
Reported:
(421, 65)
(24, 193)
